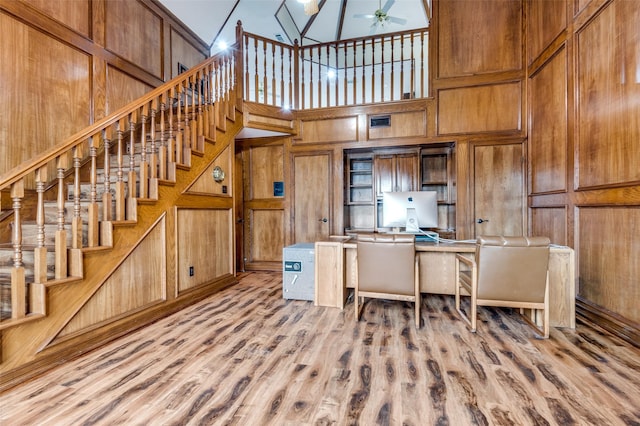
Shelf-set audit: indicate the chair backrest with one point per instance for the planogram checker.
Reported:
(386, 263)
(512, 268)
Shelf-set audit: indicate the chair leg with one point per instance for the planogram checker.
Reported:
(417, 313)
(356, 299)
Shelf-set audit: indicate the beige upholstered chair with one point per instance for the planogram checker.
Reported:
(387, 269)
(506, 272)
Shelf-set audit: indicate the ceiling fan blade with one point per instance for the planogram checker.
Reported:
(400, 21)
(361, 15)
(388, 5)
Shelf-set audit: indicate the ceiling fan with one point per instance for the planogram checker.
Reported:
(381, 17)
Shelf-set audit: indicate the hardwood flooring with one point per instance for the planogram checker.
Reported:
(245, 356)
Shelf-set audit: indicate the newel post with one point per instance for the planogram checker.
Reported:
(239, 66)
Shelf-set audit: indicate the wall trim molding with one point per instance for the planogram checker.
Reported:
(589, 312)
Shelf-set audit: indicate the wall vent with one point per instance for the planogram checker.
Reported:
(380, 121)
(279, 38)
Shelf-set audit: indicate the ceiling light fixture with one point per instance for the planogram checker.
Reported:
(310, 6)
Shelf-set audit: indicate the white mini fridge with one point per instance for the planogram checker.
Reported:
(298, 271)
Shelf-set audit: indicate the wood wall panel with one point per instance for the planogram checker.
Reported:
(33, 64)
(205, 183)
(134, 32)
(490, 108)
(608, 258)
(267, 235)
(608, 79)
(266, 166)
(477, 37)
(545, 21)
(74, 14)
(122, 89)
(183, 52)
(403, 124)
(204, 242)
(137, 283)
(343, 129)
(548, 126)
(550, 222)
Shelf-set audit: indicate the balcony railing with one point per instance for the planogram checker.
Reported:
(383, 68)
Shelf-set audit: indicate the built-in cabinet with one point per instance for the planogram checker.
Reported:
(370, 173)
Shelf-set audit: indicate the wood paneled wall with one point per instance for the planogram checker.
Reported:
(584, 127)
(66, 64)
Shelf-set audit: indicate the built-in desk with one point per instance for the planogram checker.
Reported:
(335, 264)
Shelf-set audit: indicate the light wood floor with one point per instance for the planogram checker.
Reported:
(246, 356)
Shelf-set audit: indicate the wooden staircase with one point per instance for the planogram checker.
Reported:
(80, 210)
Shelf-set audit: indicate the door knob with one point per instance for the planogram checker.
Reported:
(482, 220)
(324, 219)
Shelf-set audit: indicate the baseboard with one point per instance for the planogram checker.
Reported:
(615, 324)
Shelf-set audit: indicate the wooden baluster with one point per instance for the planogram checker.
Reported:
(283, 97)
(246, 69)
(193, 125)
(290, 105)
(311, 82)
(273, 74)
(337, 78)
(401, 66)
(40, 252)
(423, 91)
(18, 286)
(393, 78)
(382, 45)
(364, 90)
(220, 119)
(257, 73)
(75, 252)
(345, 100)
(106, 195)
(186, 133)
(61, 233)
(152, 155)
(206, 123)
(355, 75)
(328, 79)
(162, 148)
(171, 140)
(120, 187)
(298, 75)
(265, 88)
(132, 177)
(93, 222)
(144, 166)
(319, 85)
(373, 70)
(76, 221)
(229, 86)
(412, 84)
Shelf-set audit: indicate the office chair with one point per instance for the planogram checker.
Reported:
(387, 268)
(506, 272)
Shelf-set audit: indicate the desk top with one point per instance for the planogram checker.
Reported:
(424, 246)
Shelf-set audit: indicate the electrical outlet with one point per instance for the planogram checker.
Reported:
(191, 271)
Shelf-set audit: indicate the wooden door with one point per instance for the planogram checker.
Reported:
(311, 202)
(499, 189)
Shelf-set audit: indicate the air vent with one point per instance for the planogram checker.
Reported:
(279, 38)
(380, 121)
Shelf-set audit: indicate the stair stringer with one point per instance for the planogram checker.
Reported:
(31, 348)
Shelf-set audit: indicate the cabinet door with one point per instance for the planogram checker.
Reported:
(311, 202)
(499, 190)
(407, 172)
(385, 172)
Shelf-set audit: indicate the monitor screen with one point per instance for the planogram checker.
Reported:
(410, 209)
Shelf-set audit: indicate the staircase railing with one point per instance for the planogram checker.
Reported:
(134, 149)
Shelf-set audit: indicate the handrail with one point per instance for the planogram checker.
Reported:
(30, 166)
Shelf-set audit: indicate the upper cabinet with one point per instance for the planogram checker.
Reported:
(396, 171)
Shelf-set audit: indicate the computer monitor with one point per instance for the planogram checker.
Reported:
(411, 210)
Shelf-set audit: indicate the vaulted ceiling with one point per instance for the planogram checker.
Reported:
(215, 20)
